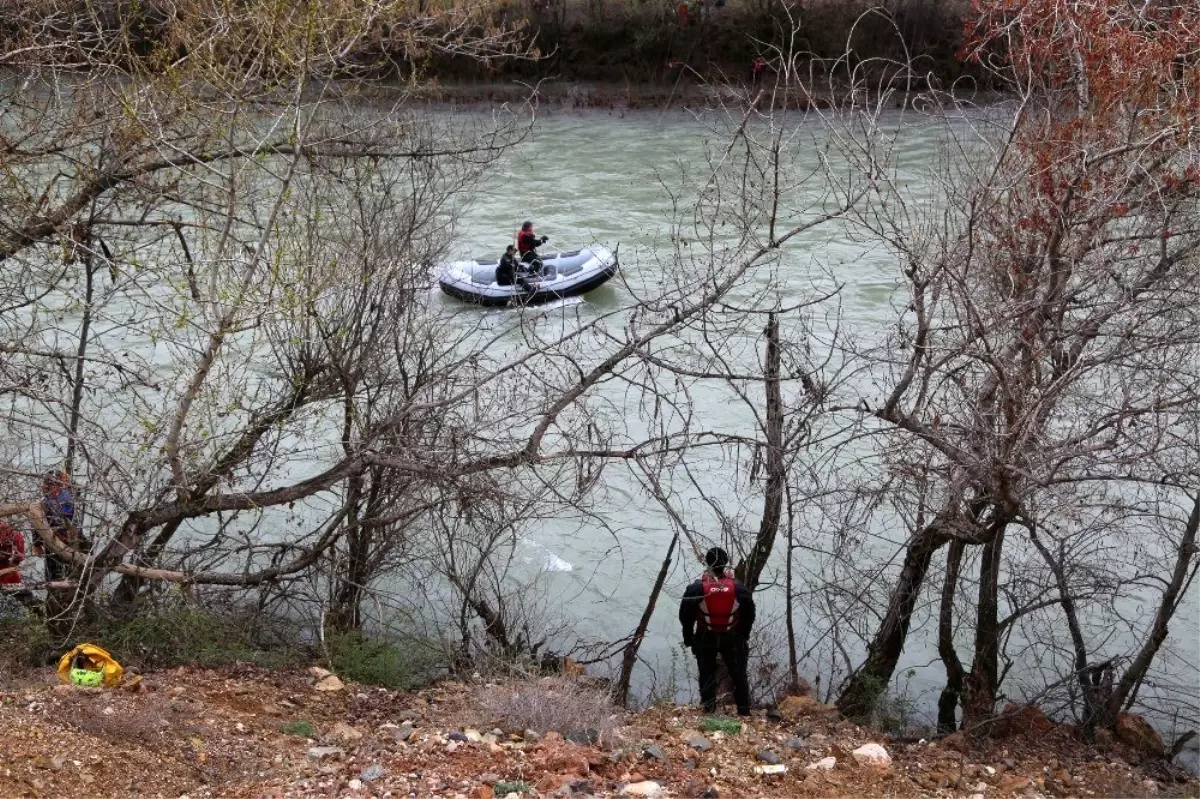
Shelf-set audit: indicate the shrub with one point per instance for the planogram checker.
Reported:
(506, 787)
(558, 704)
(369, 661)
(718, 724)
(301, 729)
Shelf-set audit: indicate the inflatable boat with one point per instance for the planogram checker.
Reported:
(564, 274)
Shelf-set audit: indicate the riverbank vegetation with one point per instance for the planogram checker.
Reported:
(216, 240)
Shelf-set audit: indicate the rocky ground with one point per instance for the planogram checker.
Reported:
(245, 732)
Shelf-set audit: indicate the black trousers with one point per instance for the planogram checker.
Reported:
(735, 652)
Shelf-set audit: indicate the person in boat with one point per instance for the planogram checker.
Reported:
(527, 244)
(506, 272)
(717, 614)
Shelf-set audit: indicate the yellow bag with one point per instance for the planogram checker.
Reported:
(101, 660)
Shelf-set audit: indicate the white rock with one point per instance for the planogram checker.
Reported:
(473, 735)
(329, 683)
(989, 770)
(977, 796)
(648, 789)
(354, 784)
(774, 768)
(980, 787)
(872, 755)
(319, 672)
(824, 764)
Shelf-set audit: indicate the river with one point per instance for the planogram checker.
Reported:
(600, 176)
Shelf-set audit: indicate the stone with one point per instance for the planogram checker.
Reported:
(1136, 732)
(958, 741)
(654, 752)
(323, 752)
(797, 744)
(490, 778)
(403, 732)
(977, 796)
(1150, 786)
(824, 764)
(1026, 720)
(587, 737)
(530, 737)
(773, 768)
(989, 770)
(495, 748)
(872, 755)
(458, 736)
(793, 708)
(373, 772)
(768, 757)
(481, 792)
(319, 672)
(647, 789)
(345, 733)
(452, 747)
(354, 784)
(697, 742)
(689, 764)
(473, 736)
(583, 786)
(330, 683)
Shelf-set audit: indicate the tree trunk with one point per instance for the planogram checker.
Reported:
(629, 657)
(80, 356)
(1131, 680)
(979, 696)
(864, 686)
(750, 569)
(947, 721)
(793, 666)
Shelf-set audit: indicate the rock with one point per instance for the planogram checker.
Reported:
(689, 764)
(481, 792)
(1150, 786)
(583, 786)
(774, 768)
(495, 748)
(354, 784)
(797, 744)
(647, 789)
(977, 796)
(319, 672)
(452, 747)
(403, 732)
(872, 755)
(490, 778)
(1021, 720)
(824, 764)
(1135, 731)
(768, 757)
(373, 772)
(512, 795)
(697, 741)
(458, 736)
(473, 736)
(989, 770)
(345, 733)
(957, 741)
(654, 752)
(980, 787)
(330, 683)
(530, 737)
(793, 708)
(587, 737)
(323, 752)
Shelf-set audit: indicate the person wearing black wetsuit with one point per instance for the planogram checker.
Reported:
(717, 614)
(506, 272)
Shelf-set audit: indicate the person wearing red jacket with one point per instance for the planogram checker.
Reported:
(717, 614)
(531, 263)
(12, 553)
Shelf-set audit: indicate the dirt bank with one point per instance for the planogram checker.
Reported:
(244, 732)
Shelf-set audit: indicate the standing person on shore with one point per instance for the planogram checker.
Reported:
(12, 554)
(717, 614)
(58, 503)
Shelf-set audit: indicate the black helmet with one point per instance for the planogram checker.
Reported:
(717, 559)
(527, 224)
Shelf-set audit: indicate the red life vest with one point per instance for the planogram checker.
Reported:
(526, 241)
(719, 606)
